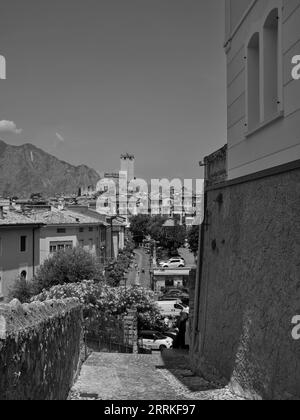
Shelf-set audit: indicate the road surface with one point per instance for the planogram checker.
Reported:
(166, 376)
(139, 274)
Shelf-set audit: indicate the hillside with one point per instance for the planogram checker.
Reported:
(27, 169)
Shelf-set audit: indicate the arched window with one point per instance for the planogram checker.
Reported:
(271, 64)
(253, 81)
(23, 275)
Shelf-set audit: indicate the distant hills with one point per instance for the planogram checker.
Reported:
(27, 169)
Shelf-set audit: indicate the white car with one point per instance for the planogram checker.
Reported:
(154, 340)
(171, 308)
(174, 263)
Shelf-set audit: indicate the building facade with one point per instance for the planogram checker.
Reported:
(19, 249)
(262, 37)
(67, 229)
(127, 165)
(245, 295)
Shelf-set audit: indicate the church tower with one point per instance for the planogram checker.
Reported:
(127, 165)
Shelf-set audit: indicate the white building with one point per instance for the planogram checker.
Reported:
(262, 37)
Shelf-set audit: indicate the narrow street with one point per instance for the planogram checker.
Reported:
(140, 276)
(166, 376)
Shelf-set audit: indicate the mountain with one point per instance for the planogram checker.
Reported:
(27, 169)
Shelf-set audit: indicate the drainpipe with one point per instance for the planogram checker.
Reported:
(33, 252)
(199, 275)
(111, 238)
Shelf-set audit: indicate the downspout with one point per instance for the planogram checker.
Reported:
(111, 239)
(33, 252)
(199, 275)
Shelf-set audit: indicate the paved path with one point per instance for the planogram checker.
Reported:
(107, 376)
(136, 276)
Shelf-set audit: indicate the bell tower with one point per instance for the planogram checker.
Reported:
(127, 165)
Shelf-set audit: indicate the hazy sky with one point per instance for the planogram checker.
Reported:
(91, 79)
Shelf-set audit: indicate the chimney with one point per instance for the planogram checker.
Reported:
(1, 213)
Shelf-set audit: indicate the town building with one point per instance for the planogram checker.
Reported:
(164, 278)
(245, 295)
(64, 229)
(19, 249)
(115, 229)
(127, 165)
(262, 37)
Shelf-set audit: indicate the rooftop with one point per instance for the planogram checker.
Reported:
(12, 217)
(65, 217)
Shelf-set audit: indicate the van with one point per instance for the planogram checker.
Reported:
(171, 307)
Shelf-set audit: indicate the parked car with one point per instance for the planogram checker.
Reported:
(171, 308)
(176, 289)
(173, 263)
(155, 340)
(177, 294)
(169, 298)
(172, 333)
(183, 297)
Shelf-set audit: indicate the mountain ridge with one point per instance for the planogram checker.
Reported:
(28, 169)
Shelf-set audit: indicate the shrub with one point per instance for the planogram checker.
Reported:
(63, 267)
(69, 266)
(116, 270)
(21, 290)
(87, 292)
(193, 239)
(101, 301)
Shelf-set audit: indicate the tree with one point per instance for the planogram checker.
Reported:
(139, 227)
(173, 238)
(116, 270)
(169, 237)
(68, 266)
(156, 227)
(193, 239)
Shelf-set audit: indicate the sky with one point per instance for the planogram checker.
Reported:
(88, 80)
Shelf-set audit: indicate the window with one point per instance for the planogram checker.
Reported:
(60, 246)
(81, 230)
(253, 82)
(61, 230)
(102, 234)
(271, 64)
(91, 229)
(23, 243)
(23, 275)
(53, 248)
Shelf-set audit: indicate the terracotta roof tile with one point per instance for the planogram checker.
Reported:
(67, 217)
(16, 218)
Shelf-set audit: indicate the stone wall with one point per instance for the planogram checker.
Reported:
(250, 287)
(39, 349)
(216, 166)
(131, 329)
